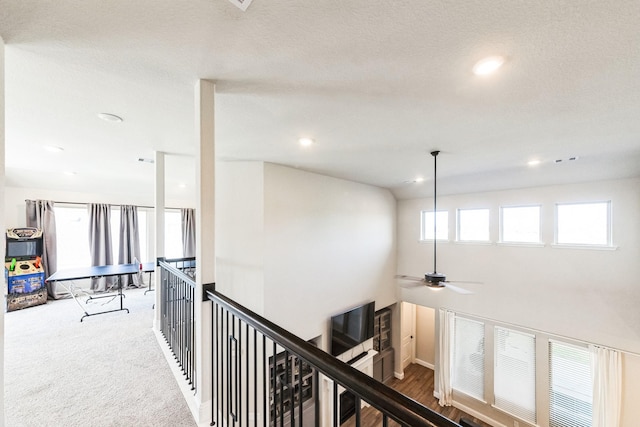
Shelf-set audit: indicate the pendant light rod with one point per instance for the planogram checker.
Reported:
(435, 205)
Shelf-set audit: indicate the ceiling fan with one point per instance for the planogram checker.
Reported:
(435, 280)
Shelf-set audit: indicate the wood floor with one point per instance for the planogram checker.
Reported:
(418, 385)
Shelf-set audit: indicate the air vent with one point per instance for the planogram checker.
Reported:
(241, 4)
(143, 160)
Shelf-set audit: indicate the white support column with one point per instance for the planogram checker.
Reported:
(159, 204)
(205, 239)
(2, 223)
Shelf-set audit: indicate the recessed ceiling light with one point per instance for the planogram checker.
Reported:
(533, 162)
(110, 117)
(419, 179)
(53, 148)
(305, 142)
(487, 66)
(182, 185)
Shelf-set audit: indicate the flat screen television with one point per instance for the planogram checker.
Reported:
(351, 328)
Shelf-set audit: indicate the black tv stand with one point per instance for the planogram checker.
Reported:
(358, 357)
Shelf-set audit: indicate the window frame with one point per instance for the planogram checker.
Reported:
(424, 226)
(502, 241)
(536, 373)
(609, 227)
(458, 226)
(572, 371)
(454, 353)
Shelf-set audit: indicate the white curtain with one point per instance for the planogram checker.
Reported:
(606, 370)
(447, 325)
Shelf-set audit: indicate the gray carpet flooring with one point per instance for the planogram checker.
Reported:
(108, 370)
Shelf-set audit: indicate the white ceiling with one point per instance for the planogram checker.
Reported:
(377, 84)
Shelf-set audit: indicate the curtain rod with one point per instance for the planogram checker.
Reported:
(110, 204)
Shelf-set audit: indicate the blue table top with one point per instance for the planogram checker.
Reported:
(100, 271)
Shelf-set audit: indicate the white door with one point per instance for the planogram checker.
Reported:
(408, 333)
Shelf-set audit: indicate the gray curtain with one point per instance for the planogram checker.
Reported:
(188, 232)
(100, 244)
(40, 214)
(129, 247)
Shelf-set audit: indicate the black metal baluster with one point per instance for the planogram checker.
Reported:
(290, 381)
(274, 374)
(335, 404)
(247, 374)
(255, 378)
(265, 381)
(228, 363)
(357, 405)
(300, 383)
(316, 396)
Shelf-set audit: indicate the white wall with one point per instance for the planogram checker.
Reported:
(240, 243)
(585, 294)
(329, 245)
(2, 223)
(300, 247)
(588, 295)
(425, 336)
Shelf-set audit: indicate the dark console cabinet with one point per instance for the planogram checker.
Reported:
(292, 381)
(383, 361)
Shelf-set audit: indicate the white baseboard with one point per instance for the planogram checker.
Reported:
(201, 412)
(398, 375)
(425, 364)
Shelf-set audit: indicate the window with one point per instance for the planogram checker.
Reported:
(570, 389)
(514, 379)
(172, 234)
(143, 235)
(473, 225)
(72, 237)
(583, 223)
(520, 224)
(442, 224)
(468, 357)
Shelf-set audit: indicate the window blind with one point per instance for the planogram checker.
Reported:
(515, 373)
(468, 357)
(570, 389)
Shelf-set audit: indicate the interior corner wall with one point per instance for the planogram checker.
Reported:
(329, 246)
(240, 232)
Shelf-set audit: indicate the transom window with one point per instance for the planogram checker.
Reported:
(583, 223)
(473, 225)
(520, 224)
(442, 224)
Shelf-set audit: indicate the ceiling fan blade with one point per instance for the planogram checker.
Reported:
(412, 278)
(458, 289)
(465, 281)
(412, 284)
